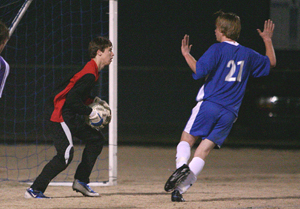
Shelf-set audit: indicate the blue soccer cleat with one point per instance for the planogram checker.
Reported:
(30, 193)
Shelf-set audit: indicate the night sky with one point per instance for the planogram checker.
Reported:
(150, 32)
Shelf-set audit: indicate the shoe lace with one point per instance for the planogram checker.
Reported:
(87, 186)
(37, 193)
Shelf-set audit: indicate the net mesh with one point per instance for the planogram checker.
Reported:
(51, 39)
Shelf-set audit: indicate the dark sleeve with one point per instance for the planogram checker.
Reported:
(75, 99)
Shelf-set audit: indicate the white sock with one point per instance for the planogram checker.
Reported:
(183, 153)
(187, 183)
(196, 165)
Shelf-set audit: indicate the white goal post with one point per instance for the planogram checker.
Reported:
(113, 92)
(46, 41)
(18, 18)
(113, 86)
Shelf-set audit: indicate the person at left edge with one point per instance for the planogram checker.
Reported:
(70, 103)
(4, 66)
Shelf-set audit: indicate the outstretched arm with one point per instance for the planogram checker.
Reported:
(185, 50)
(266, 35)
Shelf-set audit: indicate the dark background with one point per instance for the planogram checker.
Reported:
(150, 32)
(156, 91)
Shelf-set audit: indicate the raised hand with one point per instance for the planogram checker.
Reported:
(185, 47)
(268, 30)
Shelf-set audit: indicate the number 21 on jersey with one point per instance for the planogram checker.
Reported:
(233, 67)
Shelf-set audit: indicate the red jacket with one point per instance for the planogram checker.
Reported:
(60, 98)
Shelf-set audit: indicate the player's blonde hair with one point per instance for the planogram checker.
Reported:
(4, 33)
(98, 43)
(229, 24)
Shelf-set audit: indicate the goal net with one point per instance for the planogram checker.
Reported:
(50, 40)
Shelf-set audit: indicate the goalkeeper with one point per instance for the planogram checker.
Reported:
(70, 103)
(4, 67)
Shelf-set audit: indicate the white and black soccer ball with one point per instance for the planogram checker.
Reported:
(103, 110)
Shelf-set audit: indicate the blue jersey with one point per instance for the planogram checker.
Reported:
(4, 71)
(227, 67)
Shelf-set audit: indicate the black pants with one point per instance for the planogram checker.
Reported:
(62, 135)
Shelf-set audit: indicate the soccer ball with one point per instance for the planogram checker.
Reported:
(103, 110)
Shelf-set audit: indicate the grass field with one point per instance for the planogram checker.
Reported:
(241, 178)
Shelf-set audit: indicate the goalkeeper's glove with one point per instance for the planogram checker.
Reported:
(97, 100)
(102, 102)
(95, 118)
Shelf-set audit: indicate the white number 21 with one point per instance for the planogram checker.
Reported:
(232, 67)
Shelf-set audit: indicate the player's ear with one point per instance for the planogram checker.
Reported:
(99, 52)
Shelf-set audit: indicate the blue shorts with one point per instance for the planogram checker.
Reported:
(210, 121)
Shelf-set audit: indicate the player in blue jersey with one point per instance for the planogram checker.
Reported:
(4, 67)
(226, 67)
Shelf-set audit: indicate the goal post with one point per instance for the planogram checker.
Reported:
(113, 102)
(17, 19)
(19, 16)
(113, 92)
(50, 41)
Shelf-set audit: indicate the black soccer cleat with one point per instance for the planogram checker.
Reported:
(177, 177)
(176, 196)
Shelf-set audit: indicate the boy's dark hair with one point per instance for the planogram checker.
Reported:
(229, 24)
(4, 33)
(98, 43)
